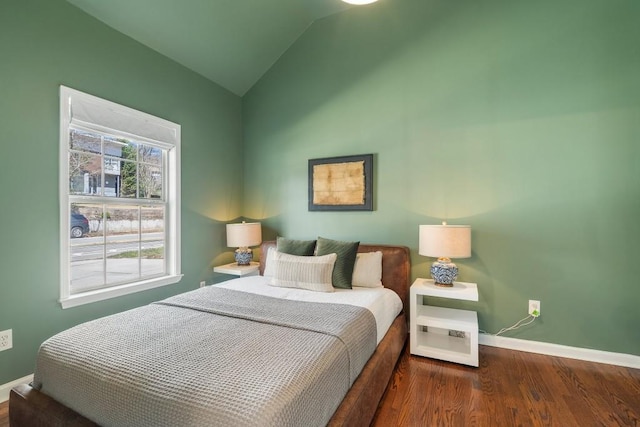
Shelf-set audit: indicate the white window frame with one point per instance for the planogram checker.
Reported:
(78, 109)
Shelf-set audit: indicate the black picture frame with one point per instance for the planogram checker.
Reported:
(367, 182)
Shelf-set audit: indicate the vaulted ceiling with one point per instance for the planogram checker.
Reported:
(230, 42)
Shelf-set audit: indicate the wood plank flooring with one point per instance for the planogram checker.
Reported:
(4, 414)
(510, 388)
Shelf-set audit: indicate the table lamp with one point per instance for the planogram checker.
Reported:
(445, 242)
(242, 236)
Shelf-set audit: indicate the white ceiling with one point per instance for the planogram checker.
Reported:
(230, 42)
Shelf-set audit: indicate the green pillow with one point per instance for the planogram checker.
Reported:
(343, 268)
(295, 247)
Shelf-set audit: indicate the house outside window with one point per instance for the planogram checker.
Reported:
(120, 201)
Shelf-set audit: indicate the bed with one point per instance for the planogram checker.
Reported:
(30, 406)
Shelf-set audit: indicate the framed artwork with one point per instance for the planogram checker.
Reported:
(341, 183)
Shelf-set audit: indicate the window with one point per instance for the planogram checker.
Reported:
(119, 200)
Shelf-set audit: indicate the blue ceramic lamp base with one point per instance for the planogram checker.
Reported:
(444, 272)
(243, 256)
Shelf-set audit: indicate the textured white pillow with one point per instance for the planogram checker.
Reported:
(312, 273)
(367, 271)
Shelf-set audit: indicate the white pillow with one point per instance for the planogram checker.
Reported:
(268, 263)
(367, 272)
(312, 273)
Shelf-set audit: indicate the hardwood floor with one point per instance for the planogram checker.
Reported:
(4, 414)
(510, 388)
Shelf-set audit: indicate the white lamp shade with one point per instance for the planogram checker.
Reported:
(445, 241)
(244, 234)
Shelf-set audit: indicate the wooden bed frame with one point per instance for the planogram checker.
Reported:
(29, 407)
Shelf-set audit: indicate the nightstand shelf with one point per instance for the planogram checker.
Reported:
(439, 345)
(253, 269)
(444, 333)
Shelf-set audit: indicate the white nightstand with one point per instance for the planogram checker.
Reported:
(253, 269)
(430, 326)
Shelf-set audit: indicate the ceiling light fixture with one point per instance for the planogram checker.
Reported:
(358, 2)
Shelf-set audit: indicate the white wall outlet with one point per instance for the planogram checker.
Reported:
(203, 284)
(534, 308)
(6, 339)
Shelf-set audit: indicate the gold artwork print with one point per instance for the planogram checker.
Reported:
(339, 184)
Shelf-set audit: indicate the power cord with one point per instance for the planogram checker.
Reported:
(517, 325)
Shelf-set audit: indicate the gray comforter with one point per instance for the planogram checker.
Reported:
(210, 357)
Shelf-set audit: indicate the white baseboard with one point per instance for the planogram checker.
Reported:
(6, 388)
(620, 359)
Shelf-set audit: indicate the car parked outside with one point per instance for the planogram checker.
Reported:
(79, 225)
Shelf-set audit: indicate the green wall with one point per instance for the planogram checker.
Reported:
(519, 118)
(45, 43)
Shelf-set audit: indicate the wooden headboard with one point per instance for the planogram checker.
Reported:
(396, 266)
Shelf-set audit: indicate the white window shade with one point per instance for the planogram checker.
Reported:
(107, 117)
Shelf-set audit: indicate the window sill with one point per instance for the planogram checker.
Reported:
(117, 291)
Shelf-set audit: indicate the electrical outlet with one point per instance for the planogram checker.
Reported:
(203, 284)
(6, 339)
(534, 308)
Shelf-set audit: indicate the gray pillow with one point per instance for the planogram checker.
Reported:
(346, 252)
(295, 247)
